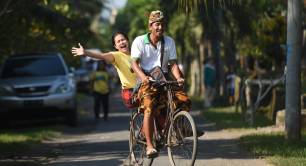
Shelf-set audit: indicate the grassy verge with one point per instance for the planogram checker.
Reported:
(21, 141)
(271, 146)
(20, 163)
(197, 102)
(227, 118)
(276, 149)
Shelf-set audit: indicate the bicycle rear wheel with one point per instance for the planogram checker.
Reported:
(182, 140)
(137, 141)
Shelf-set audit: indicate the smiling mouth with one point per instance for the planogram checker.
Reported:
(159, 31)
(123, 46)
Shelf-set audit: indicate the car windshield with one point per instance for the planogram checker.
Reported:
(33, 67)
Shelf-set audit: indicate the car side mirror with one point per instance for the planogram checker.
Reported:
(71, 69)
(71, 72)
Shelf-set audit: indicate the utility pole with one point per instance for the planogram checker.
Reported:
(293, 73)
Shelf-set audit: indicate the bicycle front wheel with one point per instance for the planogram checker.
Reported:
(137, 142)
(182, 140)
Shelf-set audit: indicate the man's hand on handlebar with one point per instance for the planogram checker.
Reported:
(180, 81)
(147, 79)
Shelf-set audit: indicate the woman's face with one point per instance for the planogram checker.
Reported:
(121, 43)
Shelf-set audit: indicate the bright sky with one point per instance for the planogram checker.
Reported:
(112, 4)
(118, 3)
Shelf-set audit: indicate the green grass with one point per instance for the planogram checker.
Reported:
(227, 118)
(197, 102)
(81, 96)
(276, 149)
(271, 146)
(20, 141)
(20, 163)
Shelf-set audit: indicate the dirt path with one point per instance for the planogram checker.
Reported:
(220, 147)
(106, 143)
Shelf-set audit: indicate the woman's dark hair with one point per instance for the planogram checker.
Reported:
(118, 33)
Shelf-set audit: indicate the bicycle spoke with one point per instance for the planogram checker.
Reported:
(137, 144)
(182, 140)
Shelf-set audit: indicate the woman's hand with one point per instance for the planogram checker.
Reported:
(78, 51)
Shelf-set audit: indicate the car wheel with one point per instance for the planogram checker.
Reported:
(4, 123)
(72, 117)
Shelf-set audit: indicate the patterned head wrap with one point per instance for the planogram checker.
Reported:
(156, 16)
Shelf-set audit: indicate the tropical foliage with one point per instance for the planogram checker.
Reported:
(227, 30)
(49, 25)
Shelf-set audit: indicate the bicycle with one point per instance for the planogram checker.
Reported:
(178, 133)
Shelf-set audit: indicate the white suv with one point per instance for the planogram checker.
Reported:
(38, 84)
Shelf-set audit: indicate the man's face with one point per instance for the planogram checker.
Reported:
(121, 43)
(157, 29)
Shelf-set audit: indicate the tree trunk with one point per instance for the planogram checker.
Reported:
(192, 88)
(201, 64)
(216, 50)
(293, 75)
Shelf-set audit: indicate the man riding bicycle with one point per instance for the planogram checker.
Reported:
(150, 51)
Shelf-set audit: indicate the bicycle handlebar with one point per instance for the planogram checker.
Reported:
(165, 82)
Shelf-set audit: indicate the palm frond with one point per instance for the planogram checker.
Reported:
(189, 5)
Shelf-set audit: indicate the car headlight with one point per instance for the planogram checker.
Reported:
(64, 88)
(5, 91)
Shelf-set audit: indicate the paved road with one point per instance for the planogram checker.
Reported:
(106, 143)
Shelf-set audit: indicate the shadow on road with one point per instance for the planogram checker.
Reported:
(97, 143)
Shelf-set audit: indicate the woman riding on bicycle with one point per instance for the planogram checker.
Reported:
(120, 59)
(149, 51)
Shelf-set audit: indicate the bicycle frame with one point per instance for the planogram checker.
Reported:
(170, 113)
(161, 136)
(164, 137)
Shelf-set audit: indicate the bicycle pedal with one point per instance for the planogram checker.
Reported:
(154, 155)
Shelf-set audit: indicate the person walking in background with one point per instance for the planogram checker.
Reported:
(100, 85)
(230, 85)
(209, 82)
